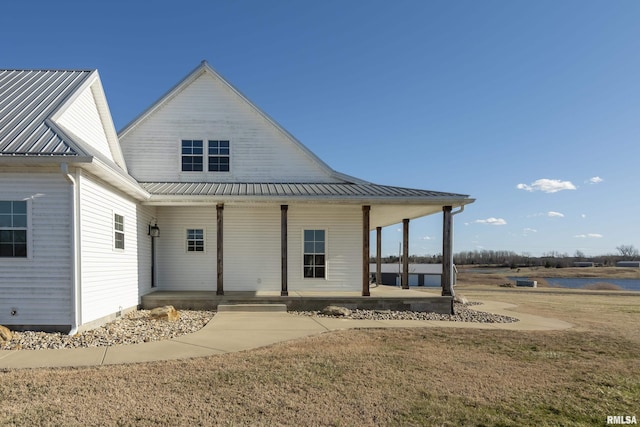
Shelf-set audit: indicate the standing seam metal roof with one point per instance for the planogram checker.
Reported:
(290, 189)
(28, 98)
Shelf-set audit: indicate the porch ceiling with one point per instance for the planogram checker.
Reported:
(385, 215)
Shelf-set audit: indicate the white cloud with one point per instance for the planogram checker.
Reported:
(530, 230)
(426, 238)
(589, 236)
(553, 214)
(491, 221)
(583, 215)
(595, 180)
(547, 185)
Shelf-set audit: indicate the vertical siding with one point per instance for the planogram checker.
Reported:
(39, 288)
(82, 119)
(177, 268)
(109, 276)
(344, 246)
(209, 109)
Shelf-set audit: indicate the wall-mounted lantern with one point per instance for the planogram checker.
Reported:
(154, 230)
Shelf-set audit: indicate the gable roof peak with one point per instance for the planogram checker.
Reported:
(205, 68)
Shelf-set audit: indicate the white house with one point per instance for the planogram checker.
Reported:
(239, 203)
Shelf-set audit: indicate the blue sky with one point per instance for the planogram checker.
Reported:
(532, 108)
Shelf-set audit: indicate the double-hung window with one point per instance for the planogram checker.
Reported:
(314, 253)
(192, 155)
(13, 229)
(218, 156)
(118, 230)
(195, 240)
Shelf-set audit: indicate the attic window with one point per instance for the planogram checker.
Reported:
(219, 156)
(192, 155)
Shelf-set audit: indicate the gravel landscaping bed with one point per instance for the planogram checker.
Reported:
(462, 314)
(133, 328)
(137, 327)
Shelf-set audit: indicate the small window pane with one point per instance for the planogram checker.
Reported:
(6, 250)
(20, 236)
(20, 220)
(20, 207)
(20, 250)
(319, 247)
(5, 220)
(308, 247)
(308, 272)
(308, 235)
(319, 234)
(5, 207)
(319, 260)
(6, 236)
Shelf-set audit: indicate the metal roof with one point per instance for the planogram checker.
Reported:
(258, 189)
(28, 98)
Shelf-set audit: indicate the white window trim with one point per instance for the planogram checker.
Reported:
(326, 255)
(205, 158)
(30, 248)
(114, 231)
(186, 240)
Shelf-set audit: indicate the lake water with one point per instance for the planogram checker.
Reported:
(627, 284)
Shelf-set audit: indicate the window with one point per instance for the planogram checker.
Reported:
(192, 155)
(13, 229)
(118, 227)
(219, 156)
(195, 240)
(314, 253)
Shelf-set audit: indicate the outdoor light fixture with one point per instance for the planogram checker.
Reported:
(154, 230)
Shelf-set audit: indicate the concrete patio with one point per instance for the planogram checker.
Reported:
(381, 298)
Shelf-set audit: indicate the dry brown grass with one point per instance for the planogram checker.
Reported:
(370, 377)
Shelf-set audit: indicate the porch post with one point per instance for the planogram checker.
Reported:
(283, 249)
(447, 251)
(365, 251)
(220, 264)
(405, 253)
(379, 255)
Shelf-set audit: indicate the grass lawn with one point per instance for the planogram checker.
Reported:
(403, 377)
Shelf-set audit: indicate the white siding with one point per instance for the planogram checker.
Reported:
(109, 275)
(177, 268)
(252, 248)
(343, 225)
(83, 120)
(39, 287)
(208, 109)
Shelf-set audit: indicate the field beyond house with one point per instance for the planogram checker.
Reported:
(401, 377)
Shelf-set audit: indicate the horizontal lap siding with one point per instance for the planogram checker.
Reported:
(39, 288)
(344, 246)
(109, 276)
(177, 268)
(146, 215)
(208, 109)
(82, 119)
(252, 248)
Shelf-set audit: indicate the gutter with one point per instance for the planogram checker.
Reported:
(75, 242)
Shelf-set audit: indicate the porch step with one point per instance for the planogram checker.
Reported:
(265, 308)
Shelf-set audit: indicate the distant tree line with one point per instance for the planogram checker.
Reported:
(552, 259)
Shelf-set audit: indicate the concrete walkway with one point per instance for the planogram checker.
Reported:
(232, 331)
